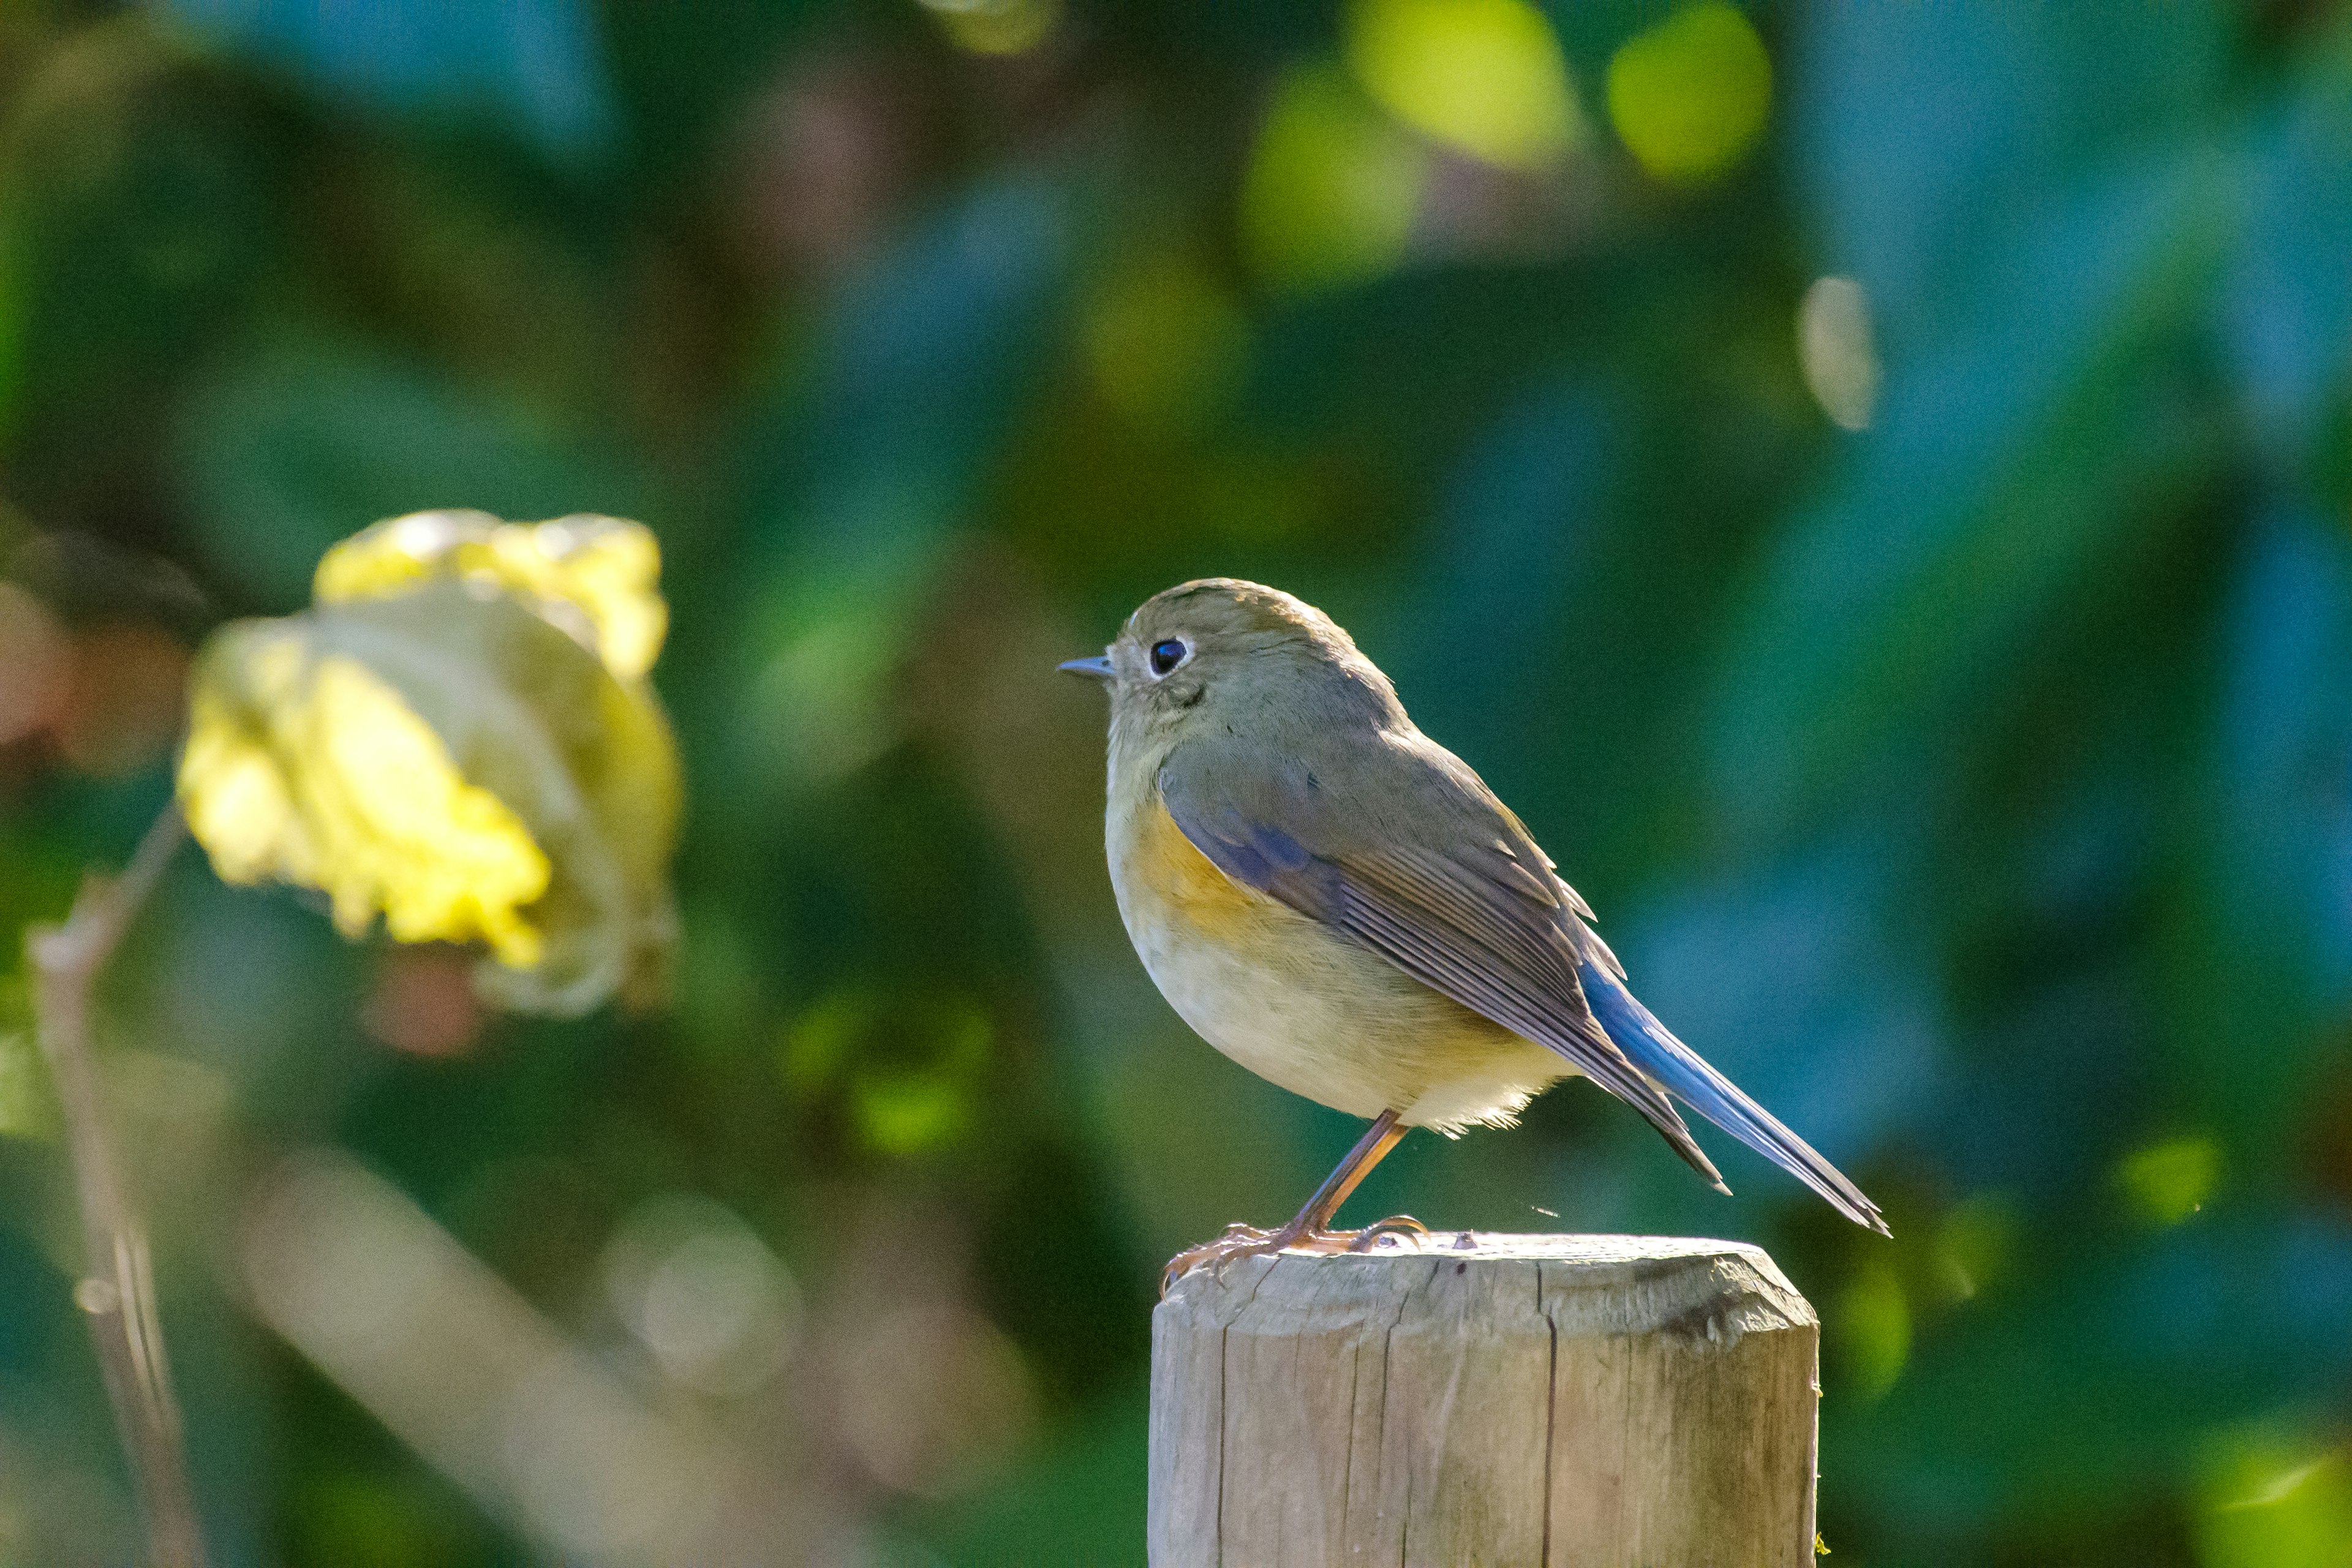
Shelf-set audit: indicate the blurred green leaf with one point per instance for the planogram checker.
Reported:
(1332, 187)
(2088, 1386)
(2007, 461)
(909, 1069)
(1485, 76)
(871, 463)
(285, 449)
(1928, 143)
(28, 1102)
(2262, 931)
(536, 64)
(2171, 1180)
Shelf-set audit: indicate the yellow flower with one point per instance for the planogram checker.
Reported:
(332, 782)
(457, 737)
(596, 577)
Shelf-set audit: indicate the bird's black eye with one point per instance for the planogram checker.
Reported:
(1167, 656)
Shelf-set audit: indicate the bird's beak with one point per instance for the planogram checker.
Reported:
(1098, 667)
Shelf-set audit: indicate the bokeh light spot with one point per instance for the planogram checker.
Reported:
(938, 1422)
(2167, 1182)
(1689, 96)
(908, 1112)
(1332, 187)
(715, 1308)
(2269, 1503)
(1166, 345)
(1875, 1321)
(1483, 76)
(996, 27)
(1837, 352)
(909, 1069)
(1976, 1245)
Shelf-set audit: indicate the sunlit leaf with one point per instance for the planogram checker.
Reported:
(996, 27)
(1873, 1325)
(910, 1069)
(1976, 1245)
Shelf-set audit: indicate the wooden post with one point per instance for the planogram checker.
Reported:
(1569, 1401)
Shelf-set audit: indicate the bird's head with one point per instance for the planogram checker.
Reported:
(1219, 650)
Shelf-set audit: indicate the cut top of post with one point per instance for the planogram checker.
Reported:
(1589, 1284)
(1470, 1398)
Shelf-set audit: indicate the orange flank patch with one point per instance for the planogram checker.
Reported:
(1214, 903)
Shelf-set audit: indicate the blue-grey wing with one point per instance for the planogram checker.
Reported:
(1438, 876)
(1476, 924)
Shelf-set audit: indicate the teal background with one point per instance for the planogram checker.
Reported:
(1975, 788)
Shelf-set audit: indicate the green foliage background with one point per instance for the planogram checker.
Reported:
(1975, 788)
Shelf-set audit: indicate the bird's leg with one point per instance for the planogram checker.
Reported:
(1309, 1230)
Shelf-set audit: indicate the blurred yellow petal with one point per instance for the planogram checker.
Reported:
(1689, 96)
(446, 759)
(598, 578)
(334, 783)
(1485, 76)
(443, 861)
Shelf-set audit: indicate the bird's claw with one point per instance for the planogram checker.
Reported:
(1248, 1241)
(1238, 1240)
(1395, 1225)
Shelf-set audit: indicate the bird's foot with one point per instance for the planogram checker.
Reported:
(1396, 1224)
(1248, 1241)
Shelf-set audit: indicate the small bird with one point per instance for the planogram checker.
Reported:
(1340, 904)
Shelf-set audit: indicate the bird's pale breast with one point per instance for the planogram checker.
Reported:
(1301, 1005)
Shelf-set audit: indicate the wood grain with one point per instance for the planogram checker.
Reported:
(1574, 1402)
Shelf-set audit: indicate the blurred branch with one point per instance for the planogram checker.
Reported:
(119, 1291)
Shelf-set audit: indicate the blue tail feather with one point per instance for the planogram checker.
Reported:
(1681, 1072)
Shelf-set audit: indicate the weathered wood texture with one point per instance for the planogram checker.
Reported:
(1569, 1401)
